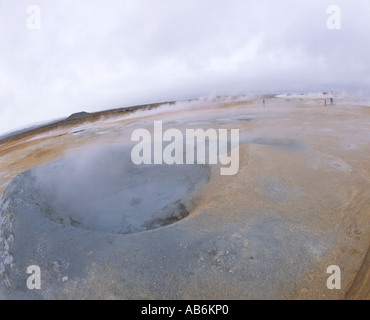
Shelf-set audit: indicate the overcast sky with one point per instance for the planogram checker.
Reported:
(92, 54)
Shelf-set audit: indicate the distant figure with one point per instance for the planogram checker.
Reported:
(331, 101)
(264, 102)
(325, 102)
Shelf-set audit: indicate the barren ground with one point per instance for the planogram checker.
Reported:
(299, 203)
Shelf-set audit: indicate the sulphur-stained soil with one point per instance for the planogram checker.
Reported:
(100, 227)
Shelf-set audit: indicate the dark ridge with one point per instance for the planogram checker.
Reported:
(78, 115)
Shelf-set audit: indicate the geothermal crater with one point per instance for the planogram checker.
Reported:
(103, 190)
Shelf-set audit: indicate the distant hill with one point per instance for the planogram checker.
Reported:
(76, 118)
(78, 115)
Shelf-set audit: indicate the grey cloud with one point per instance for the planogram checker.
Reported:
(94, 55)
